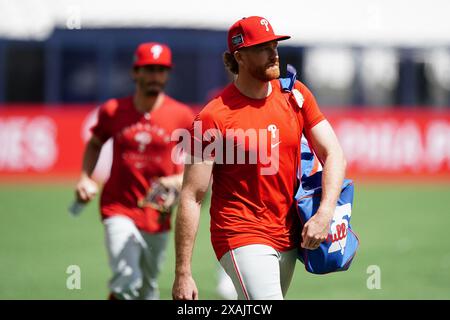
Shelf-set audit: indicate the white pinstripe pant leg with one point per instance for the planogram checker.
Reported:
(152, 260)
(124, 245)
(260, 272)
(135, 258)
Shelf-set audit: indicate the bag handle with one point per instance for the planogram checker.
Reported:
(287, 86)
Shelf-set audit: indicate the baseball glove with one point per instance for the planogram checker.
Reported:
(160, 198)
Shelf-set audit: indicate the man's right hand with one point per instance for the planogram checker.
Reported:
(184, 288)
(86, 189)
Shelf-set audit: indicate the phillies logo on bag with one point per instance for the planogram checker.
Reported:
(338, 236)
(336, 253)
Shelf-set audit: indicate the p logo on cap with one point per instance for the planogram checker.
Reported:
(251, 31)
(153, 53)
(264, 22)
(156, 51)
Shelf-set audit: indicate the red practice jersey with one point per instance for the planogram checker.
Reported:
(142, 152)
(246, 206)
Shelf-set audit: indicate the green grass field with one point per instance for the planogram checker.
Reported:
(402, 228)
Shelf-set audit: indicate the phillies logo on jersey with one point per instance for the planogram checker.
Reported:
(143, 139)
(274, 135)
(273, 130)
(339, 227)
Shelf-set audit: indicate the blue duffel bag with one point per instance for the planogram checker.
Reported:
(338, 251)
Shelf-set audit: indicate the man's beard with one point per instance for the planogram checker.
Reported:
(267, 72)
(151, 89)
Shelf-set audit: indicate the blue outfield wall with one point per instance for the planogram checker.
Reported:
(93, 65)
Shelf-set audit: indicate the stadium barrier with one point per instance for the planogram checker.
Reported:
(43, 143)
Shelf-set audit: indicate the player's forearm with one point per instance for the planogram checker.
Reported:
(90, 158)
(186, 227)
(332, 178)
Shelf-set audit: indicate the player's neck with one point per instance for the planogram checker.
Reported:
(251, 87)
(145, 104)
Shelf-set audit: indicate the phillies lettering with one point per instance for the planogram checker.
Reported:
(341, 233)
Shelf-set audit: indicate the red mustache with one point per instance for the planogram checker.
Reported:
(154, 83)
(273, 63)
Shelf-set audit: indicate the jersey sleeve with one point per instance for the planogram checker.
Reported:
(205, 130)
(310, 110)
(103, 129)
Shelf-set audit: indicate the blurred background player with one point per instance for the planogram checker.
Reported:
(137, 227)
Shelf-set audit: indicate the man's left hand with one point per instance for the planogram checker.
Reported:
(315, 231)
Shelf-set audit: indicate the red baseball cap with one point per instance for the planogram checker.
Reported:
(152, 53)
(251, 31)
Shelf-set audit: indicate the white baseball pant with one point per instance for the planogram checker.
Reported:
(135, 258)
(259, 272)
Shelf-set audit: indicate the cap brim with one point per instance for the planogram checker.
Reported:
(265, 40)
(281, 38)
(145, 63)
